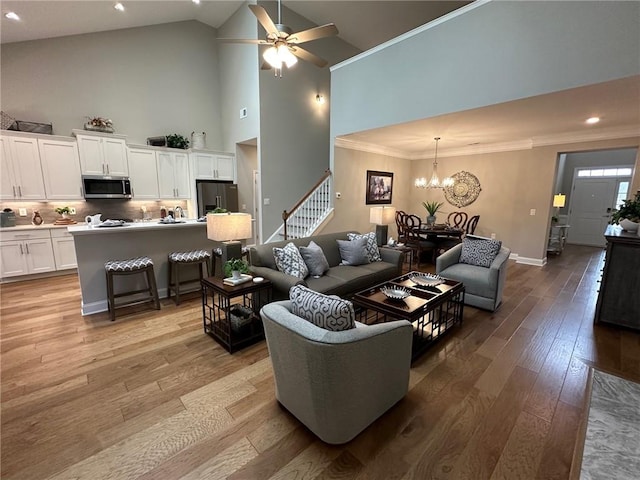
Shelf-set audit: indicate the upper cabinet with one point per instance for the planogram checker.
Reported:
(212, 166)
(173, 174)
(61, 169)
(102, 154)
(21, 177)
(143, 172)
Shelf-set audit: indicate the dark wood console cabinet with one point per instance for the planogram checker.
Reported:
(619, 295)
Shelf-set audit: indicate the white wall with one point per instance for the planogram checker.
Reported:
(493, 53)
(150, 81)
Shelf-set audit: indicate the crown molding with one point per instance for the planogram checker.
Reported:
(371, 148)
(527, 144)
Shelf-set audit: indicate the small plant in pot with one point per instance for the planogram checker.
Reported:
(64, 211)
(628, 215)
(235, 267)
(432, 208)
(176, 140)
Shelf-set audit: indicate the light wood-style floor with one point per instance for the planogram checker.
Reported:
(151, 396)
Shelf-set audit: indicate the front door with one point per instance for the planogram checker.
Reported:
(591, 204)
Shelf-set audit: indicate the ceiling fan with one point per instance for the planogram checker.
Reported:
(283, 44)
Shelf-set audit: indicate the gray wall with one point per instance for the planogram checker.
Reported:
(494, 53)
(294, 129)
(239, 79)
(150, 81)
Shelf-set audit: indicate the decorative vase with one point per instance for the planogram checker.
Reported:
(628, 225)
(236, 275)
(431, 220)
(66, 215)
(36, 219)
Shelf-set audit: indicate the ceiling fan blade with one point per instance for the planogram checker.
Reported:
(266, 66)
(264, 18)
(243, 40)
(313, 33)
(308, 56)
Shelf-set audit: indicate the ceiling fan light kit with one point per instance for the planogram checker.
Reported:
(283, 44)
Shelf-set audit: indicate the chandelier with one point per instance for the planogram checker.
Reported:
(435, 179)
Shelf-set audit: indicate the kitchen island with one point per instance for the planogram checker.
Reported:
(95, 245)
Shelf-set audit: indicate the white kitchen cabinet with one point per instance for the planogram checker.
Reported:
(102, 154)
(61, 169)
(143, 173)
(211, 166)
(64, 251)
(26, 253)
(173, 174)
(21, 177)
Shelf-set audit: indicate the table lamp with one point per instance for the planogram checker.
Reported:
(228, 228)
(382, 217)
(558, 203)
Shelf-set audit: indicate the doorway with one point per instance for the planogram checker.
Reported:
(596, 192)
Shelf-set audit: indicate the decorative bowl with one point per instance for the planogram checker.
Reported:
(395, 293)
(426, 280)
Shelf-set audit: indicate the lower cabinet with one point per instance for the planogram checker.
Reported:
(64, 250)
(28, 252)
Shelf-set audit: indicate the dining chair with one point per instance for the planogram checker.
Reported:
(414, 240)
(471, 225)
(402, 237)
(457, 219)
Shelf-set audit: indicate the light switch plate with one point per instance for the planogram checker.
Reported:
(267, 201)
(72, 210)
(22, 212)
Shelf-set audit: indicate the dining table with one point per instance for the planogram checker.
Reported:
(432, 232)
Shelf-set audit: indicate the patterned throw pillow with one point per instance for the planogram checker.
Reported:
(372, 245)
(353, 252)
(479, 251)
(289, 261)
(314, 258)
(328, 312)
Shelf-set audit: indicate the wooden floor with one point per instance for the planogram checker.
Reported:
(151, 396)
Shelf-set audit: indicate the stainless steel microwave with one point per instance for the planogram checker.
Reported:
(100, 186)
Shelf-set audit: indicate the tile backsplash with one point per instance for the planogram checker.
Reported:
(108, 208)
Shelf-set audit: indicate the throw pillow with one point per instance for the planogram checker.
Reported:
(479, 251)
(328, 312)
(289, 261)
(353, 252)
(372, 245)
(314, 258)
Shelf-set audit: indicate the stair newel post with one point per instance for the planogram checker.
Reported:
(285, 217)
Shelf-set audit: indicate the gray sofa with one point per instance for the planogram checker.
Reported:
(337, 383)
(341, 280)
(483, 286)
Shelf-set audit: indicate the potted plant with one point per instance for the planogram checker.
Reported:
(235, 267)
(628, 215)
(177, 141)
(432, 208)
(64, 211)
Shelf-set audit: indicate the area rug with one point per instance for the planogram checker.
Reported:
(612, 441)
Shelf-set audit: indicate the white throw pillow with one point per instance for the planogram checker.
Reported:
(324, 311)
(289, 261)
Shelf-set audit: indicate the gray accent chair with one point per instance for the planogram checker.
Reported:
(336, 383)
(483, 286)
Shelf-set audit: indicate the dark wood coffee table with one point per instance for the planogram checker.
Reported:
(432, 311)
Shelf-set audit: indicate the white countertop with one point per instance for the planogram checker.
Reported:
(44, 226)
(84, 229)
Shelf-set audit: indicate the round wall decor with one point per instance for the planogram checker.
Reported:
(464, 191)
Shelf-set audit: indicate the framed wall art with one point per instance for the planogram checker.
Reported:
(379, 187)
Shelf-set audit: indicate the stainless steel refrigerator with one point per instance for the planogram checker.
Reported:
(212, 195)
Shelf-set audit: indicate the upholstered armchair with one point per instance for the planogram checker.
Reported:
(483, 285)
(336, 383)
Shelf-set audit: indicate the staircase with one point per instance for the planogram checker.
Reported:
(308, 214)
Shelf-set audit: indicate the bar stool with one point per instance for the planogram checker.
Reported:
(178, 259)
(130, 267)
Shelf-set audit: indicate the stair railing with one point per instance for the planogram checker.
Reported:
(307, 213)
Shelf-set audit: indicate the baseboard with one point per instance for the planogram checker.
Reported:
(537, 262)
(103, 306)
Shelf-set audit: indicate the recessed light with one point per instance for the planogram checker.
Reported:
(118, 6)
(12, 16)
(592, 120)
(197, 2)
